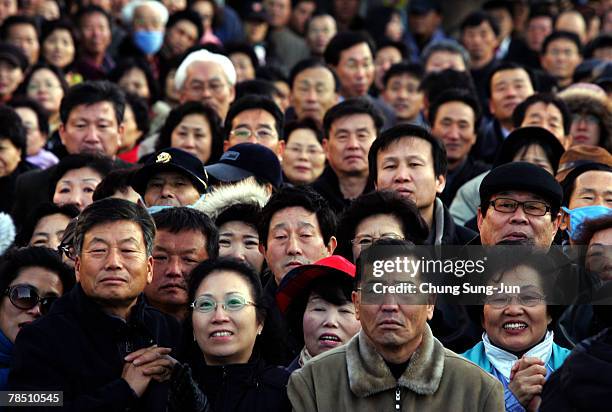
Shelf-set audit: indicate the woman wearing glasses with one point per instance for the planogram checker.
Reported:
(28, 291)
(226, 317)
(517, 346)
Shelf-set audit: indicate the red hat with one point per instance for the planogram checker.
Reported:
(297, 280)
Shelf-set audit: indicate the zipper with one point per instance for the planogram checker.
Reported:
(398, 398)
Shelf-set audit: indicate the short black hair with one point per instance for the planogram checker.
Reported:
(406, 130)
(140, 108)
(271, 73)
(345, 40)
(503, 66)
(387, 202)
(13, 129)
(130, 63)
(50, 26)
(569, 182)
(412, 69)
(561, 34)
(398, 45)
(92, 92)
(499, 4)
(518, 116)
(603, 40)
(256, 87)
(254, 103)
(298, 196)
(245, 49)
(434, 83)
(247, 213)
(115, 180)
(476, 19)
(450, 46)
(59, 74)
(111, 210)
(100, 164)
(20, 258)
(311, 63)
(41, 114)
(229, 264)
(189, 15)
(456, 95)
(17, 19)
(178, 219)
(179, 113)
(91, 9)
(42, 210)
(349, 107)
(305, 123)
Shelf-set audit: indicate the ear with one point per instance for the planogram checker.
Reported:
(282, 145)
(356, 298)
(430, 309)
(479, 218)
(226, 145)
(556, 223)
(331, 245)
(77, 269)
(149, 269)
(232, 93)
(262, 249)
(440, 183)
(62, 133)
(324, 143)
(564, 222)
(120, 135)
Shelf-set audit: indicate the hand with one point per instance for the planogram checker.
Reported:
(146, 364)
(527, 378)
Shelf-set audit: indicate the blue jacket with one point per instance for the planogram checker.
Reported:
(478, 356)
(6, 352)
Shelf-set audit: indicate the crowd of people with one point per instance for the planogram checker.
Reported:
(192, 193)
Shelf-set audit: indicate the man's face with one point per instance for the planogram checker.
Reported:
(92, 129)
(279, 12)
(294, 239)
(480, 42)
(205, 82)
(320, 31)
(385, 58)
(561, 59)
(442, 60)
(403, 95)
(519, 226)
(147, 18)
(547, 116)
(25, 37)
(424, 25)
(355, 70)
(7, 8)
(181, 36)
(454, 125)
(10, 77)
(113, 267)
(170, 189)
(504, 21)
(592, 188)
(253, 126)
(348, 144)
(585, 129)
(313, 93)
(508, 89)
(301, 13)
(95, 33)
(407, 167)
(538, 29)
(175, 255)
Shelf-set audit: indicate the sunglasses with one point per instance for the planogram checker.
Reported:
(26, 297)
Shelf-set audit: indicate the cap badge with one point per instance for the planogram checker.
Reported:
(163, 157)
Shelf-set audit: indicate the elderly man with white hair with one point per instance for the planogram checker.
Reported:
(147, 19)
(208, 78)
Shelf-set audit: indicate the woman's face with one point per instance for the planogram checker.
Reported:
(225, 337)
(58, 48)
(35, 139)
(244, 67)
(131, 133)
(135, 81)
(536, 155)
(193, 135)
(303, 157)
(395, 28)
(326, 325)
(239, 240)
(206, 12)
(10, 157)
(49, 10)
(49, 231)
(516, 326)
(375, 227)
(585, 129)
(12, 319)
(76, 187)
(46, 89)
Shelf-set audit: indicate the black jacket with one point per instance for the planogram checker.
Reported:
(584, 382)
(489, 140)
(79, 349)
(467, 171)
(8, 183)
(444, 231)
(328, 186)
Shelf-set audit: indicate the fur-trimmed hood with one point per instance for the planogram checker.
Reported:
(246, 191)
(580, 100)
(369, 374)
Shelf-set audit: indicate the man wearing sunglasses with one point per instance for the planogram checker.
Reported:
(102, 345)
(519, 204)
(28, 291)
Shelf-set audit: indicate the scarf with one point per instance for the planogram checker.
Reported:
(305, 356)
(503, 360)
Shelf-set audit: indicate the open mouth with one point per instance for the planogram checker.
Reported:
(512, 326)
(221, 334)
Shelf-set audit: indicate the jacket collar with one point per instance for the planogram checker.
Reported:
(368, 373)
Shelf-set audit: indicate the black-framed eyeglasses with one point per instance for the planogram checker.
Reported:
(26, 297)
(531, 207)
(500, 301)
(231, 303)
(366, 241)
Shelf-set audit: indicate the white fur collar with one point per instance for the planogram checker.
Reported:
(222, 197)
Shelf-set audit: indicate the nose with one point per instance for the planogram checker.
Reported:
(402, 174)
(92, 133)
(311, 96)
(293, 245)
(113, 260)
(519, 216)
(174, 268)
(331, 320)
(219, 314)
(35, 311)
(167, 191)
(453, 133)
(513, 309)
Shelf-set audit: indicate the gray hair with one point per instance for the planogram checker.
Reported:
(450, 46)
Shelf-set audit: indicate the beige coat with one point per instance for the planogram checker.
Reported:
(355, 377)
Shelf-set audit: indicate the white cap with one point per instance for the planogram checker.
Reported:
(127, 13)
(204, 56)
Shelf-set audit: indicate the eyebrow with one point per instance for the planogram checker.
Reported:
(344, 130)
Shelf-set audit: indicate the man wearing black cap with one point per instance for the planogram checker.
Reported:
(171, 177)
(519, 204)
(13, 64)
